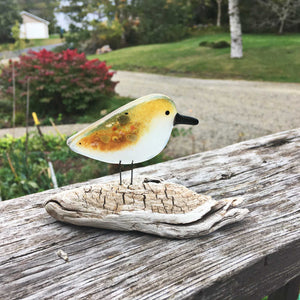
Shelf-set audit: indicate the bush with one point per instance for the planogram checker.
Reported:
(220, 44)
(215, 45)
(104, 34)
(205, 44)
(5, 112)
(64, 82)
(110, 33)
(169, 24)
(22, 174)
(163, 33)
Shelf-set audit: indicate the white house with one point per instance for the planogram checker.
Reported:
(33, 27)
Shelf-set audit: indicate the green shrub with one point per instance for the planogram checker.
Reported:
(5, 105)
(64, 82)
(169, 24)
(104, 34)
(30, 171)
(163, 33)
(220, 44)
(215, 45)
(21, 173)
(20, 118)
(5, 111)
(75, 37)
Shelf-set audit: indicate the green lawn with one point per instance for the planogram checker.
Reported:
(53, 39)
(266, 57)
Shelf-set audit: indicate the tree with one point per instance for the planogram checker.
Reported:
(219, 14)
(8, 16)
(235, 29)
(127, 22)
(202, 12)
(96, 23)
(163, 20)
(284, 10)
(85, 13)
(19, 43)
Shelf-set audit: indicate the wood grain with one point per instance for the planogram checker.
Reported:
(246, 260)
(161, 208)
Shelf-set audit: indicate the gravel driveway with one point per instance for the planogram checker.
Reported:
(229, 111)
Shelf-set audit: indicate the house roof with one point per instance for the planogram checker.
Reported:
(34, 17)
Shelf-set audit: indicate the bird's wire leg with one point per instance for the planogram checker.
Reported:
(120, 170)
(131, 178)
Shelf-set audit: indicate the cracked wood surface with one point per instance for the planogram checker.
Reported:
(160, 208)
(111, 198)
(246, 260)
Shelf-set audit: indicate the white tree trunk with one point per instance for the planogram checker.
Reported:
(235, 29)
(281, 26)
(219, 2)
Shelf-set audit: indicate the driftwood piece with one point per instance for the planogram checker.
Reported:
(161, 208)
(246, 260)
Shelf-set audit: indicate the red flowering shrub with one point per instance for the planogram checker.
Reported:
(59, 82)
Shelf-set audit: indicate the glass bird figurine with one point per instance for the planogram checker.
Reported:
(133, 133)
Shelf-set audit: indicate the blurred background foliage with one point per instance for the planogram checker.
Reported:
(65, 82)
(73, 88)
(24, 169)
(121, 23)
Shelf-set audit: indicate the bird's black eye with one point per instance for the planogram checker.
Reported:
(167, 112)
(126, 113)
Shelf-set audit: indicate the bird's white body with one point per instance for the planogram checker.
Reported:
(135, 132)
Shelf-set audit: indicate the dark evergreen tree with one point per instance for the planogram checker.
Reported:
(9, 14)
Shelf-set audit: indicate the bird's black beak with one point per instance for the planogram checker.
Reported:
(180, 119)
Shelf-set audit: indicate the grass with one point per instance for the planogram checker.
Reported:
(266, 58)
(53, 39)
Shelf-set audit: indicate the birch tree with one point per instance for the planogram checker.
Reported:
(285, 11)
(235, 29)
(219, 14)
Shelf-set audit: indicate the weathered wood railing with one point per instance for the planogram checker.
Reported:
(246, 260)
